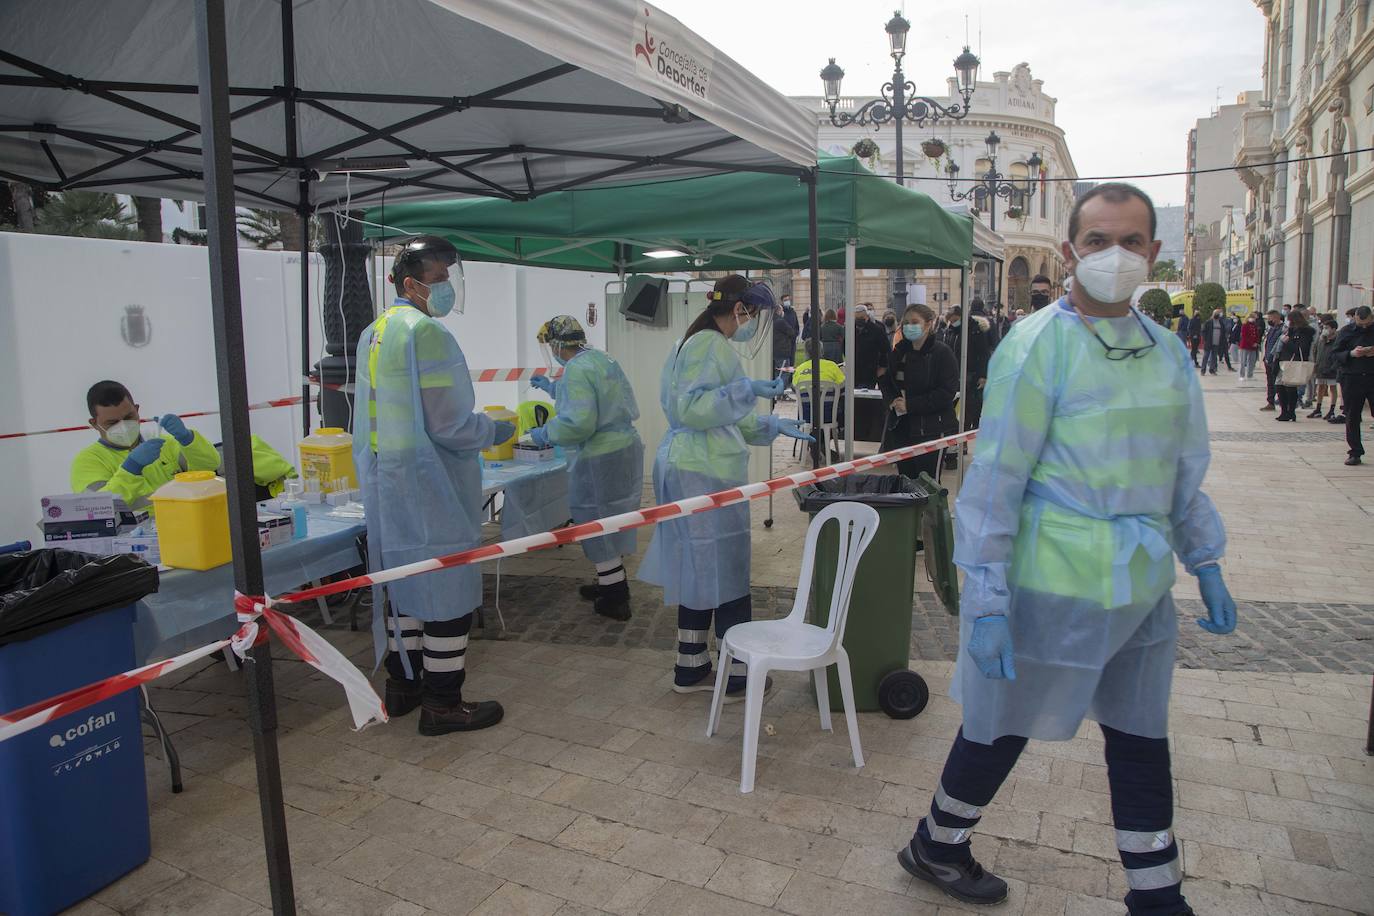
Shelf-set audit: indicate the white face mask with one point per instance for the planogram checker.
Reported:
(122, 434)
(1111, 275)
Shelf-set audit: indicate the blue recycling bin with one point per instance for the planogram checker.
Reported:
(72, 792)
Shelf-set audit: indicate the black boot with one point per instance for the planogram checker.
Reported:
(964, 881)
(589, 592)
(402, 697)
(614, 601)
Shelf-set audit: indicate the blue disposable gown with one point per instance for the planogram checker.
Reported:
(595, 427)
(420, 477)
(702, 560)
(1085, 482)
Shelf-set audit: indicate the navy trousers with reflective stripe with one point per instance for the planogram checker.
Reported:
(693, 628)
(436, 647)
(1138, 772)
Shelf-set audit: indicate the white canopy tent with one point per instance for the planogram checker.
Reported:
(316, 104)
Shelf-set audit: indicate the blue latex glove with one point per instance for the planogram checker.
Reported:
(540, 436)
(770, 389)
(543, 383)
(1221, 607)
(990, 647)
(503, 429)
(144, 454)
(792, 429)
(176, 429)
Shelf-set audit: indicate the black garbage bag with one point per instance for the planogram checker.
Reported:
(881, 491)
(43, 590)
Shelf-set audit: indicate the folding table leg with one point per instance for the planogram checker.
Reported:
(169, 753)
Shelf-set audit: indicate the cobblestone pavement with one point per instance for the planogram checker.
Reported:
(1271, 636)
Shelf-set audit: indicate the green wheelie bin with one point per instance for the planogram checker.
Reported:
(878, 632)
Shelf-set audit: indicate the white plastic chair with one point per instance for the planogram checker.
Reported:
(829, 431)
(792, 644)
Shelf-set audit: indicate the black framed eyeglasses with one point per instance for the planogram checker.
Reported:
(1116, 354)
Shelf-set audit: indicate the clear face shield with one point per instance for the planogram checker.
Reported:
(757, 305)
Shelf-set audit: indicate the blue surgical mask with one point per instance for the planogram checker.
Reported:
(746, 331)
(443, 297)
(913, 332)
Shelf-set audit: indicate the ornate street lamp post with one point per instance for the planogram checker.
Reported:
(899, 105)
(992, 184)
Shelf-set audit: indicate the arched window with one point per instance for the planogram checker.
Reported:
(1018, 283)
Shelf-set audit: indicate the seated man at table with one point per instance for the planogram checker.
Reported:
(122, 462)
(830, 372)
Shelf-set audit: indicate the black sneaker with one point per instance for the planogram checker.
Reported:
(589, 592)
(1339, 418)
(402, 697)
(461, 717)
(1353, 460)
(966, 881)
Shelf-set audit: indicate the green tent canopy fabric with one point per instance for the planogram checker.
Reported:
(719, 222)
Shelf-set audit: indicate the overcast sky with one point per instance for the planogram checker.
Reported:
(1131, 76)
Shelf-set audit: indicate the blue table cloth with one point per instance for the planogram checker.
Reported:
(192, 608)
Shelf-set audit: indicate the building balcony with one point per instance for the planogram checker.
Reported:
(1253, 151)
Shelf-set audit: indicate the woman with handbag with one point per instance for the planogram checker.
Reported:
(1295, 365)
(920, 387)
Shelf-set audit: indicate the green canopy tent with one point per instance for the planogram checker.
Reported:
(737, 221)
(720, 222)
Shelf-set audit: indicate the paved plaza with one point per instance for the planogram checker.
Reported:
(600, 793)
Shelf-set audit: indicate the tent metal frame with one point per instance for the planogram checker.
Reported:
(223, 159)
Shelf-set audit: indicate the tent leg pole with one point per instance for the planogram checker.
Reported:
(851, 247)
(227, 314)
(305, 307)
(963, 369)
(811, 179)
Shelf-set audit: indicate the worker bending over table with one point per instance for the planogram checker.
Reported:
(122, 462)
(415, 446)
(594, 424)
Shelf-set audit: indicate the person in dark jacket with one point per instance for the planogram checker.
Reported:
(1273, 339)
(1353, 352)
(871, 352)
(784, 342)
(1195, 337)
(1324, 363)
(1296, 344)
(1216, 342)
(979, 352)
(920, 387)
(977, 309)
(832, 338)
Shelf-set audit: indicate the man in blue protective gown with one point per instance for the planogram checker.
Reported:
(416, 441)
(594, 424)
(1085, 484)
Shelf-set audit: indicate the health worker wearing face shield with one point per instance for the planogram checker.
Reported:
(1086, 481)
(124, 463)
(594, 424)
(416, 441)
(702, 560)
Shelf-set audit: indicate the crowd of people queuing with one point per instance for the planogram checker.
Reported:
(1335, 384)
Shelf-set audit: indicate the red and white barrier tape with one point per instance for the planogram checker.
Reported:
(628, 520)
(478, 375)
(312, 648)
(362, 699)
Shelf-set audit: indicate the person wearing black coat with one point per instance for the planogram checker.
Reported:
(1296, 344)
(920, 387)
(871, 351)
(979, 353)
(784, 341)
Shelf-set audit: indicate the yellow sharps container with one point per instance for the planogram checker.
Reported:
(193, 521)
(501, 451)
(327, 457)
